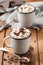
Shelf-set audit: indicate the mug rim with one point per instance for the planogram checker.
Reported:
(28, 12)
(21, 38)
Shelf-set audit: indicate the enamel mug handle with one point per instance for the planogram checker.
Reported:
(37, 13)
(7, 37)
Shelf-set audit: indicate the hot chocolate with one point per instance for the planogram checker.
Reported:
(20, 33)
(26, 8)
(20, 40)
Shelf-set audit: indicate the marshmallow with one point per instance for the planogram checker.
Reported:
(20, 33)
(26, 8)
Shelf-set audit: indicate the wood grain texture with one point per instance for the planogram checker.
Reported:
(33, 43)
(1, 45)
(40, 44)
(28, 0)
(32, 0)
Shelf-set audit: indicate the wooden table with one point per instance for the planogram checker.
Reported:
(36, 42)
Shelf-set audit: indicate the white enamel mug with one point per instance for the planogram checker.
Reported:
(27, 19)
(20, 46)
(24, 19)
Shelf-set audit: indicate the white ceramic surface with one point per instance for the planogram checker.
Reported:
(26, 20)
(20, 46)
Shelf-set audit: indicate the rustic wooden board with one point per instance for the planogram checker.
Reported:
(40, 44)
(1, 45)
(38, 0)
(33, 43)
(32, 0)
(28, 0)
(7, 34)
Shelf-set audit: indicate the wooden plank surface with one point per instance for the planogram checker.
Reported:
(28, 0)
(32, 0)
(1, 45)
(40, 44)
(33, 43)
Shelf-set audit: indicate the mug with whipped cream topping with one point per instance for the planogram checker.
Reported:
(20, 40)
(24, 15)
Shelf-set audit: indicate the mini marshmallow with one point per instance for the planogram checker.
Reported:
(16, 33)
(26, 35)
(16, 30)
(26, 8)
(21, 35)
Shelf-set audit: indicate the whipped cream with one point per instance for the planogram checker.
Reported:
(20, 33)
(26, 8)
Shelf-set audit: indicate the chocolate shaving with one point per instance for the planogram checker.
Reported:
(21, 30)
(17, 34)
